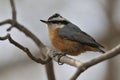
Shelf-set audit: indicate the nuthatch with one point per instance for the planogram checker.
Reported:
(68, 38)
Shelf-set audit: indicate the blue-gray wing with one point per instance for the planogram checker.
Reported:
(72, 32)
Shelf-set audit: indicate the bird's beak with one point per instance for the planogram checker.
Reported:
(44, 21)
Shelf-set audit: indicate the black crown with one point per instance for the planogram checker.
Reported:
(54, 16)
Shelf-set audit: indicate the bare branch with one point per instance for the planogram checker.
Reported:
(50, 71)
(14, 17)
(109, 54)
(9, 29)
(64, 59)
(8, 21)
(26, 50)
(13, 11)
(24, 30)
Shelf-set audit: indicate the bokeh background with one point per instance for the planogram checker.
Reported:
(99, 18)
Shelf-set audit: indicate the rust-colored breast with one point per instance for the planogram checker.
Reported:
(67, 46)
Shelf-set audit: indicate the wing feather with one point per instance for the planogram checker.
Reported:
(72, 32)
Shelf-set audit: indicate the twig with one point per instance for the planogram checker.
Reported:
(26, 50)
(24, 30)
(14, 17)
(109, 54)
(13, 10)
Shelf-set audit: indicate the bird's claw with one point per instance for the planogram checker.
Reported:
(59, 55)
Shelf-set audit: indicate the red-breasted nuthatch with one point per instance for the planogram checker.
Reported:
(68, 38)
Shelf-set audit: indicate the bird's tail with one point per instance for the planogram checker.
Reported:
(100, 50)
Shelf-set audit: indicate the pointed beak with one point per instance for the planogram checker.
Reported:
(44, 21)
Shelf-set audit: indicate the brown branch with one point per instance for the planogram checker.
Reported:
(26, 50)
(13, 11)
(14, 17)
(109, 54)
(50, 71)
(24, 30)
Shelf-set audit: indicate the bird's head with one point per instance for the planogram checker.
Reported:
(55, 20)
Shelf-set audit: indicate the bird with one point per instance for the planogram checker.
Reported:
(68, 38)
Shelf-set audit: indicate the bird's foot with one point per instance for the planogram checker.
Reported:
(59, 55)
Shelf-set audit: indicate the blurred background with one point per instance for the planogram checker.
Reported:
(99, 18)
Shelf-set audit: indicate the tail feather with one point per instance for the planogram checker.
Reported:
(99, 45)
(100, 50)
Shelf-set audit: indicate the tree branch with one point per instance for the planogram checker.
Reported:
(26, 50)
(14, 17)
(109, 54)
(50, 71)
(24, 30)
(13, 11)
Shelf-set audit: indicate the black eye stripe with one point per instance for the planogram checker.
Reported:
(58, 22)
